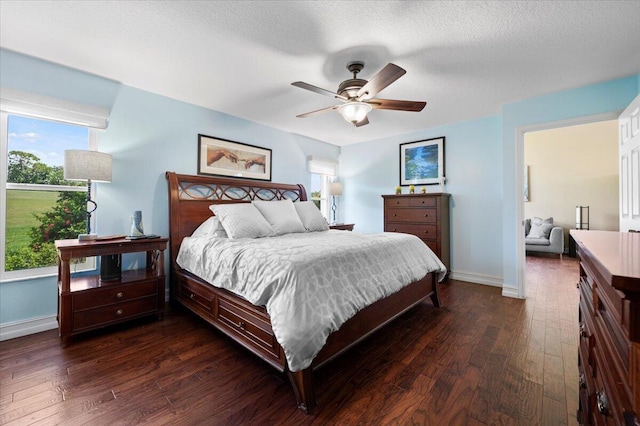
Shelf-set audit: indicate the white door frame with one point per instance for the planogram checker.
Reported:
(519, 179)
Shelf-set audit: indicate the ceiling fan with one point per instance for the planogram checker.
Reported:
(357, 94)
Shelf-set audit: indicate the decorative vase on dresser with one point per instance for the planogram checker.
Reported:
(609, 315)
(423, 215)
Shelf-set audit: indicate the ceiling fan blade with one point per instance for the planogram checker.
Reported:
(318, 111)
(307, 86)
(385, 77)
(396, 104)
(362, 122)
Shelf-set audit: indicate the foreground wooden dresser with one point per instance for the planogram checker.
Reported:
(609, 350)
(423, 215)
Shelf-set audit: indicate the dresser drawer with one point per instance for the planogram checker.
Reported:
(113, 294)
(248, 325)
(96, 317)
(428, 215)
(414, 201)
(423, 231)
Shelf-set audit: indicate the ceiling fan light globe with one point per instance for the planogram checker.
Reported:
(354, 112)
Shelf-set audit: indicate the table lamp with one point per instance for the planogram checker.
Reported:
(335, 190)
(83, 165)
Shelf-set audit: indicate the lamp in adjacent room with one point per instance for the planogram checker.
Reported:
(582, 217)
(335, 190)
(89, 166)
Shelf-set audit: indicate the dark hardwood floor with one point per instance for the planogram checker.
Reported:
(482, 359)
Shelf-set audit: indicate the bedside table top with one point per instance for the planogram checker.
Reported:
(342, 226)
(69, 249)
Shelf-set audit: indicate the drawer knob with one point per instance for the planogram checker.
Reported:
(603, 403)
(119, 312)
(241, 325)
(426, 232)
(394, 215)
(192, 295)
(583, 330)
(582, 381)
(119, 295)
(397, 202)
(426, 215)
(422, 201)
(394, 230)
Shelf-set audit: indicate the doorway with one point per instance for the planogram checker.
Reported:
(562, 157)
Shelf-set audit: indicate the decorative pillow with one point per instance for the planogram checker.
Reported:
(210, 227)
(310, 216)
(242, 220)
(281, 215)
(540, 228)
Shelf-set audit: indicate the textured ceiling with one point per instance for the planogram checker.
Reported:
(465, 59)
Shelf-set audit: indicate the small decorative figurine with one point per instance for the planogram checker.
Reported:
(412, 189)
(398, 190)
(136, 224)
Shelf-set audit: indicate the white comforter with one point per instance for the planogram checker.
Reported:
(310, 283)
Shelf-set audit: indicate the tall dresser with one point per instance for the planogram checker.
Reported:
(423, 215)
(609, 315)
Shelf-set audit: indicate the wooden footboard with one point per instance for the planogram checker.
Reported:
(250, 325)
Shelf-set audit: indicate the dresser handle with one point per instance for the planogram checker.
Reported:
(119, 312)
(241, 325)
(583, 330)
(394, 215)
(582, 381)
(397, 202)
(119, 295)
(192, 296)
(422, 201)
(426, 232)
(603, 403)
(426, 215)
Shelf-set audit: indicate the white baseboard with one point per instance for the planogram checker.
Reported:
(477, 278)
(510, 292)
(11, 330)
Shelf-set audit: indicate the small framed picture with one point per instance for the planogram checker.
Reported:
(221, 157)
(422, 162)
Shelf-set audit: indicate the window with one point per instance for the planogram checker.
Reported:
(40, 205)
(320, 193)
(323, 171)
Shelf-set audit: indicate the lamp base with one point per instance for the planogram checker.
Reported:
(87, 237)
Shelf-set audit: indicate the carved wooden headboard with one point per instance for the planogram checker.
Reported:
(190, 198)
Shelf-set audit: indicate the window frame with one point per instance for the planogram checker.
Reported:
(89, 264)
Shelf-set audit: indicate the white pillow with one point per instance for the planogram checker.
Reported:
(242, 220)
(210, 227)
(540, 228)
(281, 215)
(310, 216)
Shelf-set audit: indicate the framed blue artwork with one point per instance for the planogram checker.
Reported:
(422, 162)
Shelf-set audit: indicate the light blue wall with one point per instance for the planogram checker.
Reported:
(147, 135)
(595, 99)
(473, 167)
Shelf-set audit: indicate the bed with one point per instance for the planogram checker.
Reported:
(249, 324)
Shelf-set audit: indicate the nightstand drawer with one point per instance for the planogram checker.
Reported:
(92, 318)
(118, 293)
(425, 232)
(411, 215)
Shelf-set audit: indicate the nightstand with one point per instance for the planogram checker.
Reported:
(87, 303)
(343, 226)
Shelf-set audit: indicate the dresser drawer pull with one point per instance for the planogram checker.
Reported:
(394, 230)
(582, 381)
(426, 215)
(426, 232)
(397, 202)
(583, 330)
(603, 403)
(119, 312)
(394, 215)
(119, 295)
(241, 325)
(191, 296)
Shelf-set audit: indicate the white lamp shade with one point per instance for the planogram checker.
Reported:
(354, 112)
(87, 165)
(335, 188)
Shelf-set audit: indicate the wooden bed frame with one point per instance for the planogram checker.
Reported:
(247, 324)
